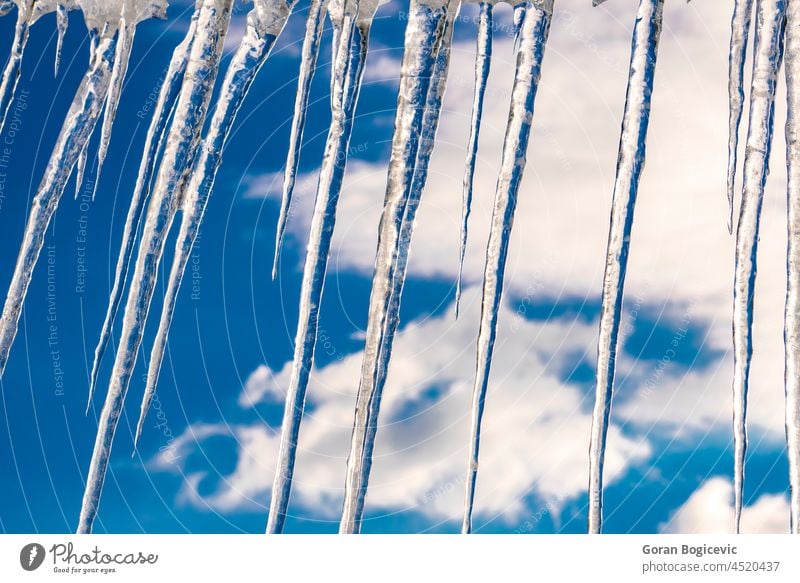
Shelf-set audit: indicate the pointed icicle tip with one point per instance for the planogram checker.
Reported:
(62, 22)
(308, 64)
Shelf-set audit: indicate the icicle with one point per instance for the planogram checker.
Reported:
(62, 22)
(740, 29)
(519, 17)
(127, 31)
(80, 168)
(770, 25)
(428, 33)
(83, 157)
(11, 73)
(163, 111)
(792, 314)
(397, 274)
(308, 65)
(78, 125)
(352, 20)
(483, 60)
(181, 146)
(630, 162)
(61, 8)
(264, 25)
(533, 39)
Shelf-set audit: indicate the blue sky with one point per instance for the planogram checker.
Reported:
(206, 458)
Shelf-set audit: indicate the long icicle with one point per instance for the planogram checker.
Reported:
(792, 313)
(83, 156)
(352, 19)
(11, 73)
(181, 147)
(308, 65)
(397, 275)
(533, 40)
(768, 53)
(167, 98)
(78, 125)
(127, 31)
(427, 33)
(483, 61)
(630, 162)
(740, 31)
(264, 25)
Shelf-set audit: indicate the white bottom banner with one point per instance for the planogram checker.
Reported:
(243, 558)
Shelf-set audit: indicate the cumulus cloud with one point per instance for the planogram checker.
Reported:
(537, 423)
(709, 510)
(261, 385)
(536, 427)
(681, 252)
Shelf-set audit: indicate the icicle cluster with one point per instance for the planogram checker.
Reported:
(154, 143)
(184, 180)
(264, 24)
(777, 23)
(186, 140)
(105, 71)
(768, 53)
(351, 21)
(530, 54)
(28, 12)
(180, 145)
(422, 80)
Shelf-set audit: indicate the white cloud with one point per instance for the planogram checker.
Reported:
(261, 385)
(536, 428)
(681, 252)
(382, 67)
(709, 510)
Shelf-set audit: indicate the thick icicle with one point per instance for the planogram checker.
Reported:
(768, 53)
(533, 40)
(78, 125)
(264, 24)
(483, 61)
(127, 31)
(740, 29)
(397, 274)
(352, 20)
(180, 150)
(162, 112)
(308, 65)
(428, 33)
(630, 163)
(62, 22)
(11, 73)
(792, 314)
